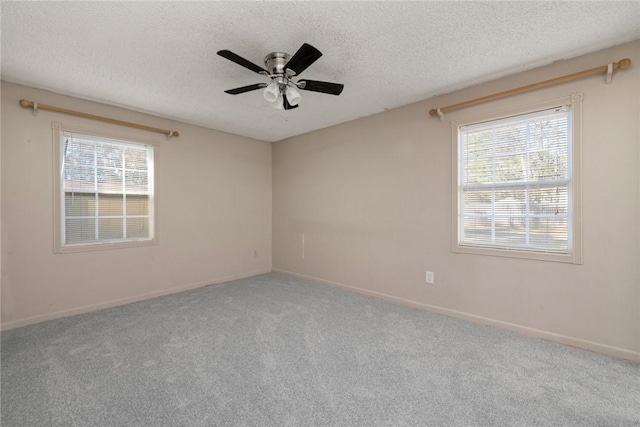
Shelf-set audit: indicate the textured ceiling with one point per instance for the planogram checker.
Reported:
(160, 57)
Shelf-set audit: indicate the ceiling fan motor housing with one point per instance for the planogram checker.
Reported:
(275, 62)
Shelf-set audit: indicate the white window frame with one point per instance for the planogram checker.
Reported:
(58, 193)
(574, 255)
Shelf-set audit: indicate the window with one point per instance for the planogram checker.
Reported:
(104, 192)
(517, 184)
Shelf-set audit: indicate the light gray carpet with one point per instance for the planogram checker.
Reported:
(273, 351)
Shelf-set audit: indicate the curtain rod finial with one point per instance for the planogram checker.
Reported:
(26, 103)
(436, 112)
(623, 64)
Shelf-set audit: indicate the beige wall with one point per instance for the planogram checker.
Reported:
(373, 198)
(214, 214)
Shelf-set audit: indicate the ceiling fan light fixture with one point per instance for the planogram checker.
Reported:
(293, 96)
(279, 103)
(272, 92)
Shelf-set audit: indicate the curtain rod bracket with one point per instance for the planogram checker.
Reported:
(440, 114)
(35, 109)
(609, 73)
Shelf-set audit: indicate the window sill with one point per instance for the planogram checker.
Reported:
(90, 247)
(570, 258)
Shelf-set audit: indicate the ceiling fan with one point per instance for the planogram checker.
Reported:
(281, 68)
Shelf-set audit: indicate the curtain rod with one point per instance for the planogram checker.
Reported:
(36, 106)
(620, 65)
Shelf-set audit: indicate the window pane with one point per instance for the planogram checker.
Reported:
(479, 144)
(477, 202)
(78, 153)
(137, 181)
(110, 228)
(510, 139)
(109, 180)
(509, 232)
(136, 158)
(137, 205)
(477, 170)
(137, 227)
(109, 155)
(110, 204)
(79, 178)
(545, 165)
(510, 168)
(549, 200)
(79, 204)
(549, 233)
(476, 230)
(80, 230)
(510, 202)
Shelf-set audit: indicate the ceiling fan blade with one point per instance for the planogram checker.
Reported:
(241, 61)
(324, 87)
(286, 104)
(244, 89)
(304, 57)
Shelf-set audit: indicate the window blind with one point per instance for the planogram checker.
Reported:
(107, 187)
(515, 182)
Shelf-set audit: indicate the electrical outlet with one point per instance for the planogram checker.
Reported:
(429, 277)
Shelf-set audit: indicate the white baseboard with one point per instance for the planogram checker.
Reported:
(522, 330)
(122, 301)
